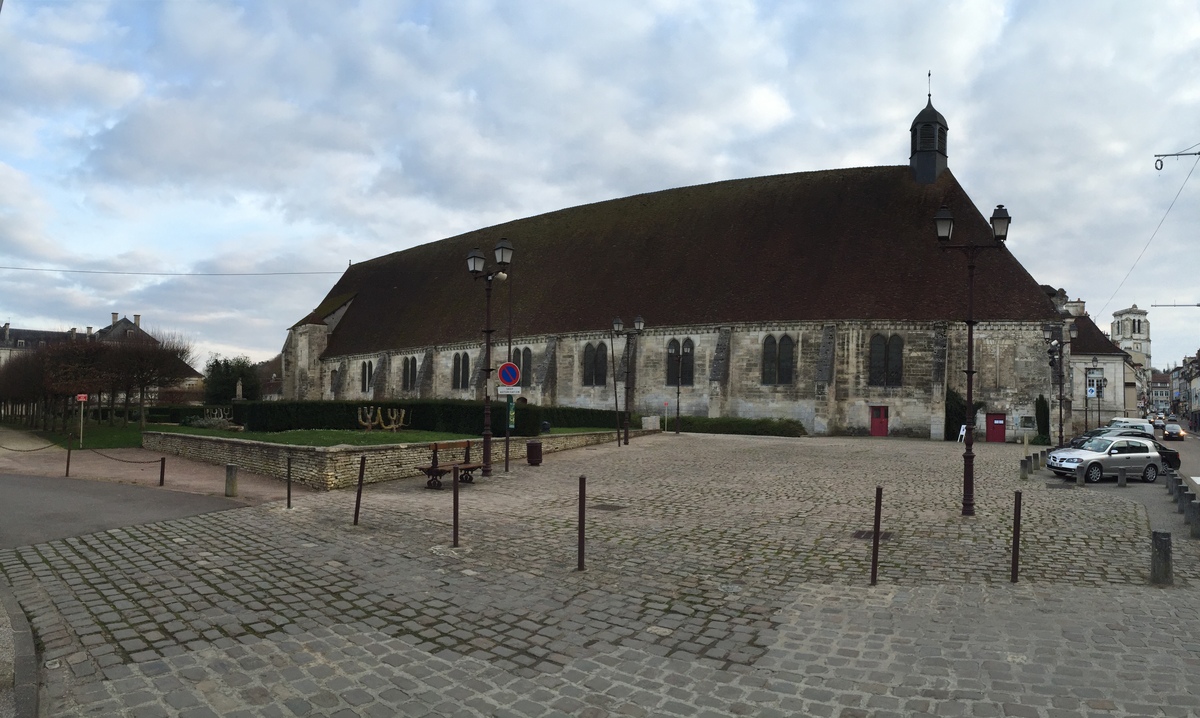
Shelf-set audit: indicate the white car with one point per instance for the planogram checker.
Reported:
(1102, 456)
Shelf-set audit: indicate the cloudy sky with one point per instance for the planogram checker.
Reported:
(234, 151)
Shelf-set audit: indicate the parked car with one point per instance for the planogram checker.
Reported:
(1143, 424)
(1112, 431)
(1160, 424)
(1102, 455)
(1173, 432)
(1169, 456)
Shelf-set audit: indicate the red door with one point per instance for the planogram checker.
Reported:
(879, 417)
(995, 427)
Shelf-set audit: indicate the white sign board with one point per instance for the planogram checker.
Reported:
(1091, 392)
(502, 390)
(962, 433)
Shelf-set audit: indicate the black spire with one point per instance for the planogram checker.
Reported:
(928, 158)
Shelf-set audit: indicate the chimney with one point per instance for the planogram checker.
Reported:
(71, 334)
(89, 331)
(137, 320)
(6, 335)
(1075, 308)
(114, 323)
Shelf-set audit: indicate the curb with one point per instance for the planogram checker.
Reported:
(25, 667)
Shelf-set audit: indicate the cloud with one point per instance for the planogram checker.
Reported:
(213, 133)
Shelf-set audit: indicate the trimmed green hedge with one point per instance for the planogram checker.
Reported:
(457, 417)
(734, 425)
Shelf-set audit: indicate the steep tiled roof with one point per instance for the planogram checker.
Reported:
(1091, 340)
(837, 244)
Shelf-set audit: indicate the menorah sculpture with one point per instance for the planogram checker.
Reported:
(219, 413)
(370, 417)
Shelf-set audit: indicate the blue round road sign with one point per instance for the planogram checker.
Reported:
(509, 374)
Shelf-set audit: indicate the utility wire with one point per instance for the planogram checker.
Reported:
(162, 274)
(1152, 235)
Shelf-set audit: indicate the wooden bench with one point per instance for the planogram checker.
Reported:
(440, 466)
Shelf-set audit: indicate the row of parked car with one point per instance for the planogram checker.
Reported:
(1125, 443)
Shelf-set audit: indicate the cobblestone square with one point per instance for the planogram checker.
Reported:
(723, 578)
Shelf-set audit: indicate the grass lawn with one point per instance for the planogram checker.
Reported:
(103, 436)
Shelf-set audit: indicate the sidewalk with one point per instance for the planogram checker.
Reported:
(724, 577)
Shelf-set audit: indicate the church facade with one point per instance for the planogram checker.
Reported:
(818, 296)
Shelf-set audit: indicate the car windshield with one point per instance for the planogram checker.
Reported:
(1098, 445)
(1173, 427)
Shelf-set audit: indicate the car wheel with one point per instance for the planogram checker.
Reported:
(1150, 474)
(1094, 473)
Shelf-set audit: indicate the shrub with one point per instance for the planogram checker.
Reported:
(735, 425)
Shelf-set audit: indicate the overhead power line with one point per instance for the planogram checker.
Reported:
(161, 274)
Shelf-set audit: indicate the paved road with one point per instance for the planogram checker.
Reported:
(36, 509)
(723, 578)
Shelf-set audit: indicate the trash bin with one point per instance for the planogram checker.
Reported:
(533, 453)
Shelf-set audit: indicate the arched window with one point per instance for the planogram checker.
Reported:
(687, 368)
(526, 365)
(886, 362)
(589, 365)
(770, 361)
(787, 359)
(412, 373)
(673, 362)
(601, 364)
(895, 361)
(362, 378)
(333, 376)
(464, 381)
(455, 373)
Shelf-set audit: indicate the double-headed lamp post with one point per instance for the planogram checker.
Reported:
(477, 264)
(630, 376)
(944, 221)
(1053, 335)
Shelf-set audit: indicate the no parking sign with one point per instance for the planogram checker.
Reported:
(509, 374)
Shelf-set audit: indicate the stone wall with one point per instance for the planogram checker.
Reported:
(334, 467)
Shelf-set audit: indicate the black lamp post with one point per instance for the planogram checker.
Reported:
(630, 374)
(944, 222)
(476, 263)
(1053, 334)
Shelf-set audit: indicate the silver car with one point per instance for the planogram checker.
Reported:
(1103, 455)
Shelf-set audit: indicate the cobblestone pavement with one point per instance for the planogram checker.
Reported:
(723, 578)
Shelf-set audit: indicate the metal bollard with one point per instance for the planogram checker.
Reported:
(875, 535)
(1016, 537)
(1079, 475)
(231, 479)
(1160, 559)
(582, 519)
(1122, 480)
(362, 471)
(1024, 469)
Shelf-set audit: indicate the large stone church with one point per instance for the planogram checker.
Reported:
(818, 296)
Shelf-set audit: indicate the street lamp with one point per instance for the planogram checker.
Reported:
(1053, 334)
(630, 375)
(944, 223)
(477, 265)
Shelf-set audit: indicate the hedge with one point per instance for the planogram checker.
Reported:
(734, 425)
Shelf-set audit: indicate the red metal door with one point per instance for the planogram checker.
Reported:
(995, 427)
(879, 421)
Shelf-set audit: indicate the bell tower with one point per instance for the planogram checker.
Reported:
(928, 158)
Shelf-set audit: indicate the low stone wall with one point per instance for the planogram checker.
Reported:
(335, 467)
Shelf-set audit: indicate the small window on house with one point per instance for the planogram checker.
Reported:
(129, 332)
(20, 343)
(927, 137)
